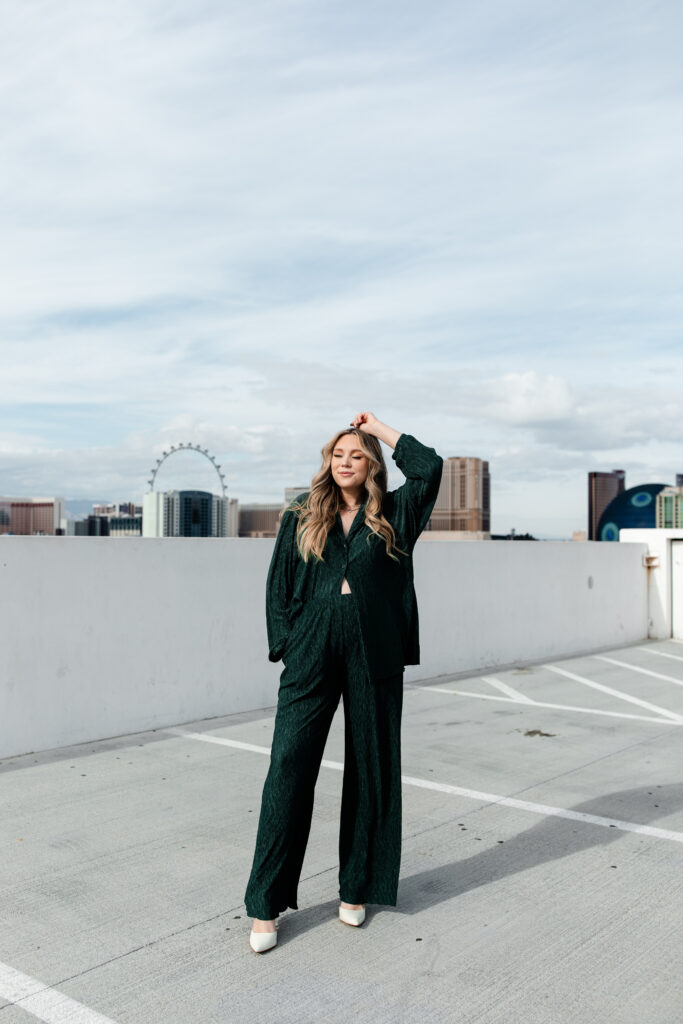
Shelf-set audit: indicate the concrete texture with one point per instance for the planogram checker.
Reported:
(125, 863)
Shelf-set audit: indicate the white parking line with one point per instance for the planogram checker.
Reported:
(43, 1002)
(561, 707)
(208, 738)
(473, 794)
(643, 671)
(662, 654)
(615, 693)
(521, 698)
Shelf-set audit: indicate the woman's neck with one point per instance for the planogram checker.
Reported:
(347, 500)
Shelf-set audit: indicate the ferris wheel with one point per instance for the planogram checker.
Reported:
(174, 448)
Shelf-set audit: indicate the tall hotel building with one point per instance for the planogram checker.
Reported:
(32, 516)
(602, 487)
(463, 503)
(669, 514)
(188, 514)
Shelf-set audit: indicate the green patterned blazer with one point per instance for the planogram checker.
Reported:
(383, 588)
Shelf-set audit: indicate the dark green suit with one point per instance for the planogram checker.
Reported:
(352, 645)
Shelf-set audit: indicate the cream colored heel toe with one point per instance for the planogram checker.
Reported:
(354, 917)
(261, 941)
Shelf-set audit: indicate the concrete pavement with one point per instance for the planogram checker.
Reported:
(124, 864)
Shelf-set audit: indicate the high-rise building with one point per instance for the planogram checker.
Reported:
(92, 526)
(602, 488)
(32, 516)
(188, 514)
(116, 519)
(125, 526)
(464, 499)
(123, 508)
(262, 519)
(669, 513)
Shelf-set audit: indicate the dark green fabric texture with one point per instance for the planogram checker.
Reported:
(384, 589)
(324, 661)
(349, 646)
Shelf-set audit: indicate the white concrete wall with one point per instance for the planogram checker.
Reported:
(507, 602)
(658, 543)
(677, 589)
(105, 636)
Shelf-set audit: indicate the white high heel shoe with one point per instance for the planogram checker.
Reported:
(262, 941)
(354, 917)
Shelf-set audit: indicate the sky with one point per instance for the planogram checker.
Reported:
(238, 225)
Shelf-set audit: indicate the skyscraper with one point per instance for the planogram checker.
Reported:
(464, 498)
(188, 514)
(670, 507)
(32, 516)
(602, 487)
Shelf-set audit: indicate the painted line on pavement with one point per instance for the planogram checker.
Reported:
(43, 1002)
(662, 654)
(473, 794)
(521, 698)
(560, 707)
(615, 693)
(643, 671)
(208, 738)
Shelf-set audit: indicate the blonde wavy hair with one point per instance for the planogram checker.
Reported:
(318, 513)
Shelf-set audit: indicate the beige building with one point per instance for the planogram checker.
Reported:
(463, 504)
(32, 516)
(261, 519)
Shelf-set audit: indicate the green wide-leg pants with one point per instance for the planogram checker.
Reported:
(324, 661)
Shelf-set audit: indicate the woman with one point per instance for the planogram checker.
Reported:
(341, 612)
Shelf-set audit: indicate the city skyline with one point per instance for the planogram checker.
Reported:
(242, 225)
(85, 508)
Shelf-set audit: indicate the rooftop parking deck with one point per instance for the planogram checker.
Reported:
(541, 874)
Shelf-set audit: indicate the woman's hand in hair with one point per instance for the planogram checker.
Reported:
(365, 421)
(368, 423)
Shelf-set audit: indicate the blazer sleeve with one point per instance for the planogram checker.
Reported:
(415, 499)
(280, 584)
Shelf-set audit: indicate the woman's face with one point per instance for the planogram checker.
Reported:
(349, 464)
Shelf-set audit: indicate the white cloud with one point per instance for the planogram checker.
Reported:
(530, 398)
(245, 220)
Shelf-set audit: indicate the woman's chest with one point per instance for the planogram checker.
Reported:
(359, 549)
(347, 520)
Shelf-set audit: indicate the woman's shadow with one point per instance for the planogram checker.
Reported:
(551, 838)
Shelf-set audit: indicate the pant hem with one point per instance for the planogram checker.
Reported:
(384, 900)
(269, 913)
